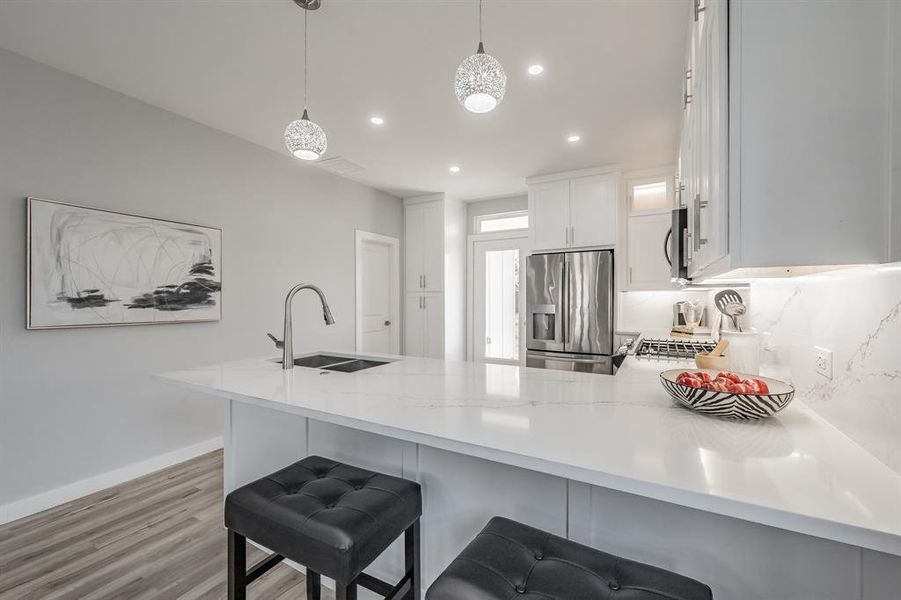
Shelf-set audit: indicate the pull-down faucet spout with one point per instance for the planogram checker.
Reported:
(287, 343)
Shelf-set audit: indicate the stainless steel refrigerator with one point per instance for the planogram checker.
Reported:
(569, 303)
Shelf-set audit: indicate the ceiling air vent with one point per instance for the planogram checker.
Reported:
(338, 166)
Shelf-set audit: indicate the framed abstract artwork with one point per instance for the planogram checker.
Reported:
(89, 267)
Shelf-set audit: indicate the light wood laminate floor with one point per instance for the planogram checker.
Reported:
(159, 537)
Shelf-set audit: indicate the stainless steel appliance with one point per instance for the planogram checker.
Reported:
(675, 246)
(659, 348)
(569, 303)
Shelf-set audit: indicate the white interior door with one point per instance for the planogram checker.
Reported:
(497, 300)
(377, 327)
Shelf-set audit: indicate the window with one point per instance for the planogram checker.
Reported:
(502, 222)
(650, 194)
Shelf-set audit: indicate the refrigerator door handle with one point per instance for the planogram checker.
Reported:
(564, 302)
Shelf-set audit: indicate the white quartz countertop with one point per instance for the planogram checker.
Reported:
(794, 471)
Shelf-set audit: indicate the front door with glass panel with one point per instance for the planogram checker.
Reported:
(498, 300)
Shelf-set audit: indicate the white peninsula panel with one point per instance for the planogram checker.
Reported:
(782, 508)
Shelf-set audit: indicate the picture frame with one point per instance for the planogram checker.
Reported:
(93, 267)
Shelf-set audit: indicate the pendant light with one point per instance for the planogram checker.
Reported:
(480, 82)
(305, 139)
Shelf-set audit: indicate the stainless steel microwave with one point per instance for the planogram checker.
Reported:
(675, 246)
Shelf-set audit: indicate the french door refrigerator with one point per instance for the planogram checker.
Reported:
(569, 304)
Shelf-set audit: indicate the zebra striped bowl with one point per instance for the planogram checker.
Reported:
(727, 404)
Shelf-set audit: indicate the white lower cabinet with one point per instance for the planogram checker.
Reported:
(424, 325)
(648, 268)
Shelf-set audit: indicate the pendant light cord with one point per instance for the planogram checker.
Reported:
(305, 46)
(480, 21)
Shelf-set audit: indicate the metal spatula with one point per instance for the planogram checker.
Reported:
(730, 304)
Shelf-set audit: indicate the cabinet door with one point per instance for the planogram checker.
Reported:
(413, 239)
(709, 204)
(432, 246)
(592, 211)
(549, 215)
(414, 329)
(433, 325)
(648, 269)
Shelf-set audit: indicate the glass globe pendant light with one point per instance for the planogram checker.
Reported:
(480, 82)
(305, 139)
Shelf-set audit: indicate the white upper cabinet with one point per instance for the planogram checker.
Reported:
(413, 236)
(549, 215)
(577, 211)
(433, 247)
(592, 211)
(786, 145)
(649, 200)
(811, 125)
(424, 239)
(703, 154)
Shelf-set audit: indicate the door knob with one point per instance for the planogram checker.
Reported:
(387, 323)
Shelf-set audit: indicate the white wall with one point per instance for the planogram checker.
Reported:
(76, 403)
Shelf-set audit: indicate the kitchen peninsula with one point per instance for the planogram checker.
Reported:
(605, 460)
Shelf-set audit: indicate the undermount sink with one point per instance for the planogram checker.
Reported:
(345, 364)
(355, 365)
(319, 360)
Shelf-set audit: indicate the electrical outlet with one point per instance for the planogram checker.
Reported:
(822, 361)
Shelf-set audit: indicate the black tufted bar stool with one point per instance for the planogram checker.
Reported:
(332, 518)
(510, 560)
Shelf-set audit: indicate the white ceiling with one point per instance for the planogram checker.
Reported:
(612, 75)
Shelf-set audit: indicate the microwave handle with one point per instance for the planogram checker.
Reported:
(666, 241)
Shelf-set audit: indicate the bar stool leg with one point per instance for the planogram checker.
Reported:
(346, 591)
(412, 560)
(237, 566)
(314, 585)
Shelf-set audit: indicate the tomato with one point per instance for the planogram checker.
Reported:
(742, 388)
(730, 376)
(762, 387)
(717, 385)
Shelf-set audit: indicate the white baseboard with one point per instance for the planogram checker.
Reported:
(61, 495)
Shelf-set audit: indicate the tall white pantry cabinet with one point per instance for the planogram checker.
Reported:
(434, 277)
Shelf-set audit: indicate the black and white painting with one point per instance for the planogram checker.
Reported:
(89, 267)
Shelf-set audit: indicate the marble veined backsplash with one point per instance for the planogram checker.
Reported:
(856, 313)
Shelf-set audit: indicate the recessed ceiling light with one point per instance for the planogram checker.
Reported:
(536, 69)
(454, 169)
(573, 139)
(377, 120)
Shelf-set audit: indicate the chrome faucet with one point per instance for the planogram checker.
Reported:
(287, 343)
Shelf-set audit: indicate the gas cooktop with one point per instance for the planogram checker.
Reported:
(660, 348)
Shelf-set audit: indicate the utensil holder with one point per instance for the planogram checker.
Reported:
(744, 351)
